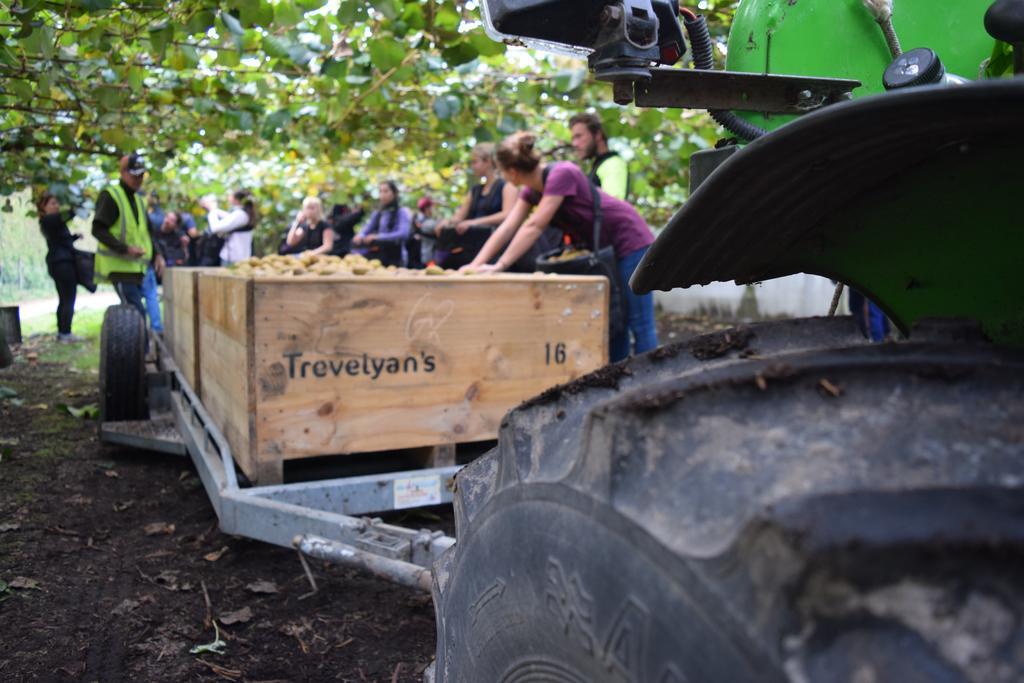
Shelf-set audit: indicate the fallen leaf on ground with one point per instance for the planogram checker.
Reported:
(125, 607)
(7, 392)
(24, 583)
(263, 587)
(158, 529)
(112, 474)
(88, 412)
(79, 499)
(217, 647)
(9, 526)
(41, 406)
(122, 506)
(214, 556)
(241, 616)
(105, 464)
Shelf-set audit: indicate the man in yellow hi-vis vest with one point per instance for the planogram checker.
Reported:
(122, 228)
(608, 170)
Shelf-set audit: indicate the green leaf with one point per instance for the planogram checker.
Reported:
(95, 5)
(201, 22)
(386, 54)
(413, 17)
(113, 136)
(485, 46)
(217, 647)
(447, 106)
(459, 53)
(1001, 62)
(7, 57)
(136, 78)
(387, 8)
(229, 58)
(446, 22)
(570, 79)
(231, 24)
(287, 14)
(350, 12)
(333, 68)
(7, 392)
(88, 412)
(649, 121)
(299, 54)
(21, 89)
(254, 13)
(275, 47)
(158, 40)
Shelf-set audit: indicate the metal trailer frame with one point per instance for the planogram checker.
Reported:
(321, 519)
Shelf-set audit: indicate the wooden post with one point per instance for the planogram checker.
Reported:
(10, 321)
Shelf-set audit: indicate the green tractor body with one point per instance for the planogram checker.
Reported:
(916, 209)
(781, 502)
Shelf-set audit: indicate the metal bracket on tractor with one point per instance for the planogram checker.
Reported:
(319, 518)
(767, 93)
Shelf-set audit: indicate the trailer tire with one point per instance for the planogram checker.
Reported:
(820, 515)
(122, 365)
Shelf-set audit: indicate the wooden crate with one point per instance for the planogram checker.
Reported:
(300, 367)
(181, 321)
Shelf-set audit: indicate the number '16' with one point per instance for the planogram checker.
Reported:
(554, 353)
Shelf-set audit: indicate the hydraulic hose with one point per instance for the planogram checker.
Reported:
(703, 59)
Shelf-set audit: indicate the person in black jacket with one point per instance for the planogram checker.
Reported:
(60, 262)
(171, 240)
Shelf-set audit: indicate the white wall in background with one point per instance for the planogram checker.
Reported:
(792, 296)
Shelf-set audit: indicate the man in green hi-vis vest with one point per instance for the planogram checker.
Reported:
(608, 170)
(122, 228)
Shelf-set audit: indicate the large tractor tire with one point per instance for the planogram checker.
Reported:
(803, 514)
(123, 365)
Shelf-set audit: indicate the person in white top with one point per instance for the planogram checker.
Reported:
(234, 225)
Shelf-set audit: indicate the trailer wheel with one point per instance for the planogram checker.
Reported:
(122, 365)
(826, 515)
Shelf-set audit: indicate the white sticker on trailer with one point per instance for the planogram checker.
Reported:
(417, 492)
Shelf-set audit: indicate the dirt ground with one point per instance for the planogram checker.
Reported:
(112, 566)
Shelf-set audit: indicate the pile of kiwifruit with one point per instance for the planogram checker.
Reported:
(319, 265)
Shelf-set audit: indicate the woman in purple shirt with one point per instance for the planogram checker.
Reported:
(387, 231)
(564, 199)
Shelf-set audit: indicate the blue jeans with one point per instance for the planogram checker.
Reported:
(639, 314)
(131, 294)
(870, 319)
(152, 300)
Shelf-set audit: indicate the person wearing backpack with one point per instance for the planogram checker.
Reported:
(234, 226)
(565, 197)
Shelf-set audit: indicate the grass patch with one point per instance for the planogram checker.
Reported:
(41, 332)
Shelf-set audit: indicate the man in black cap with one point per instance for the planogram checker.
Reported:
(122, 228)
